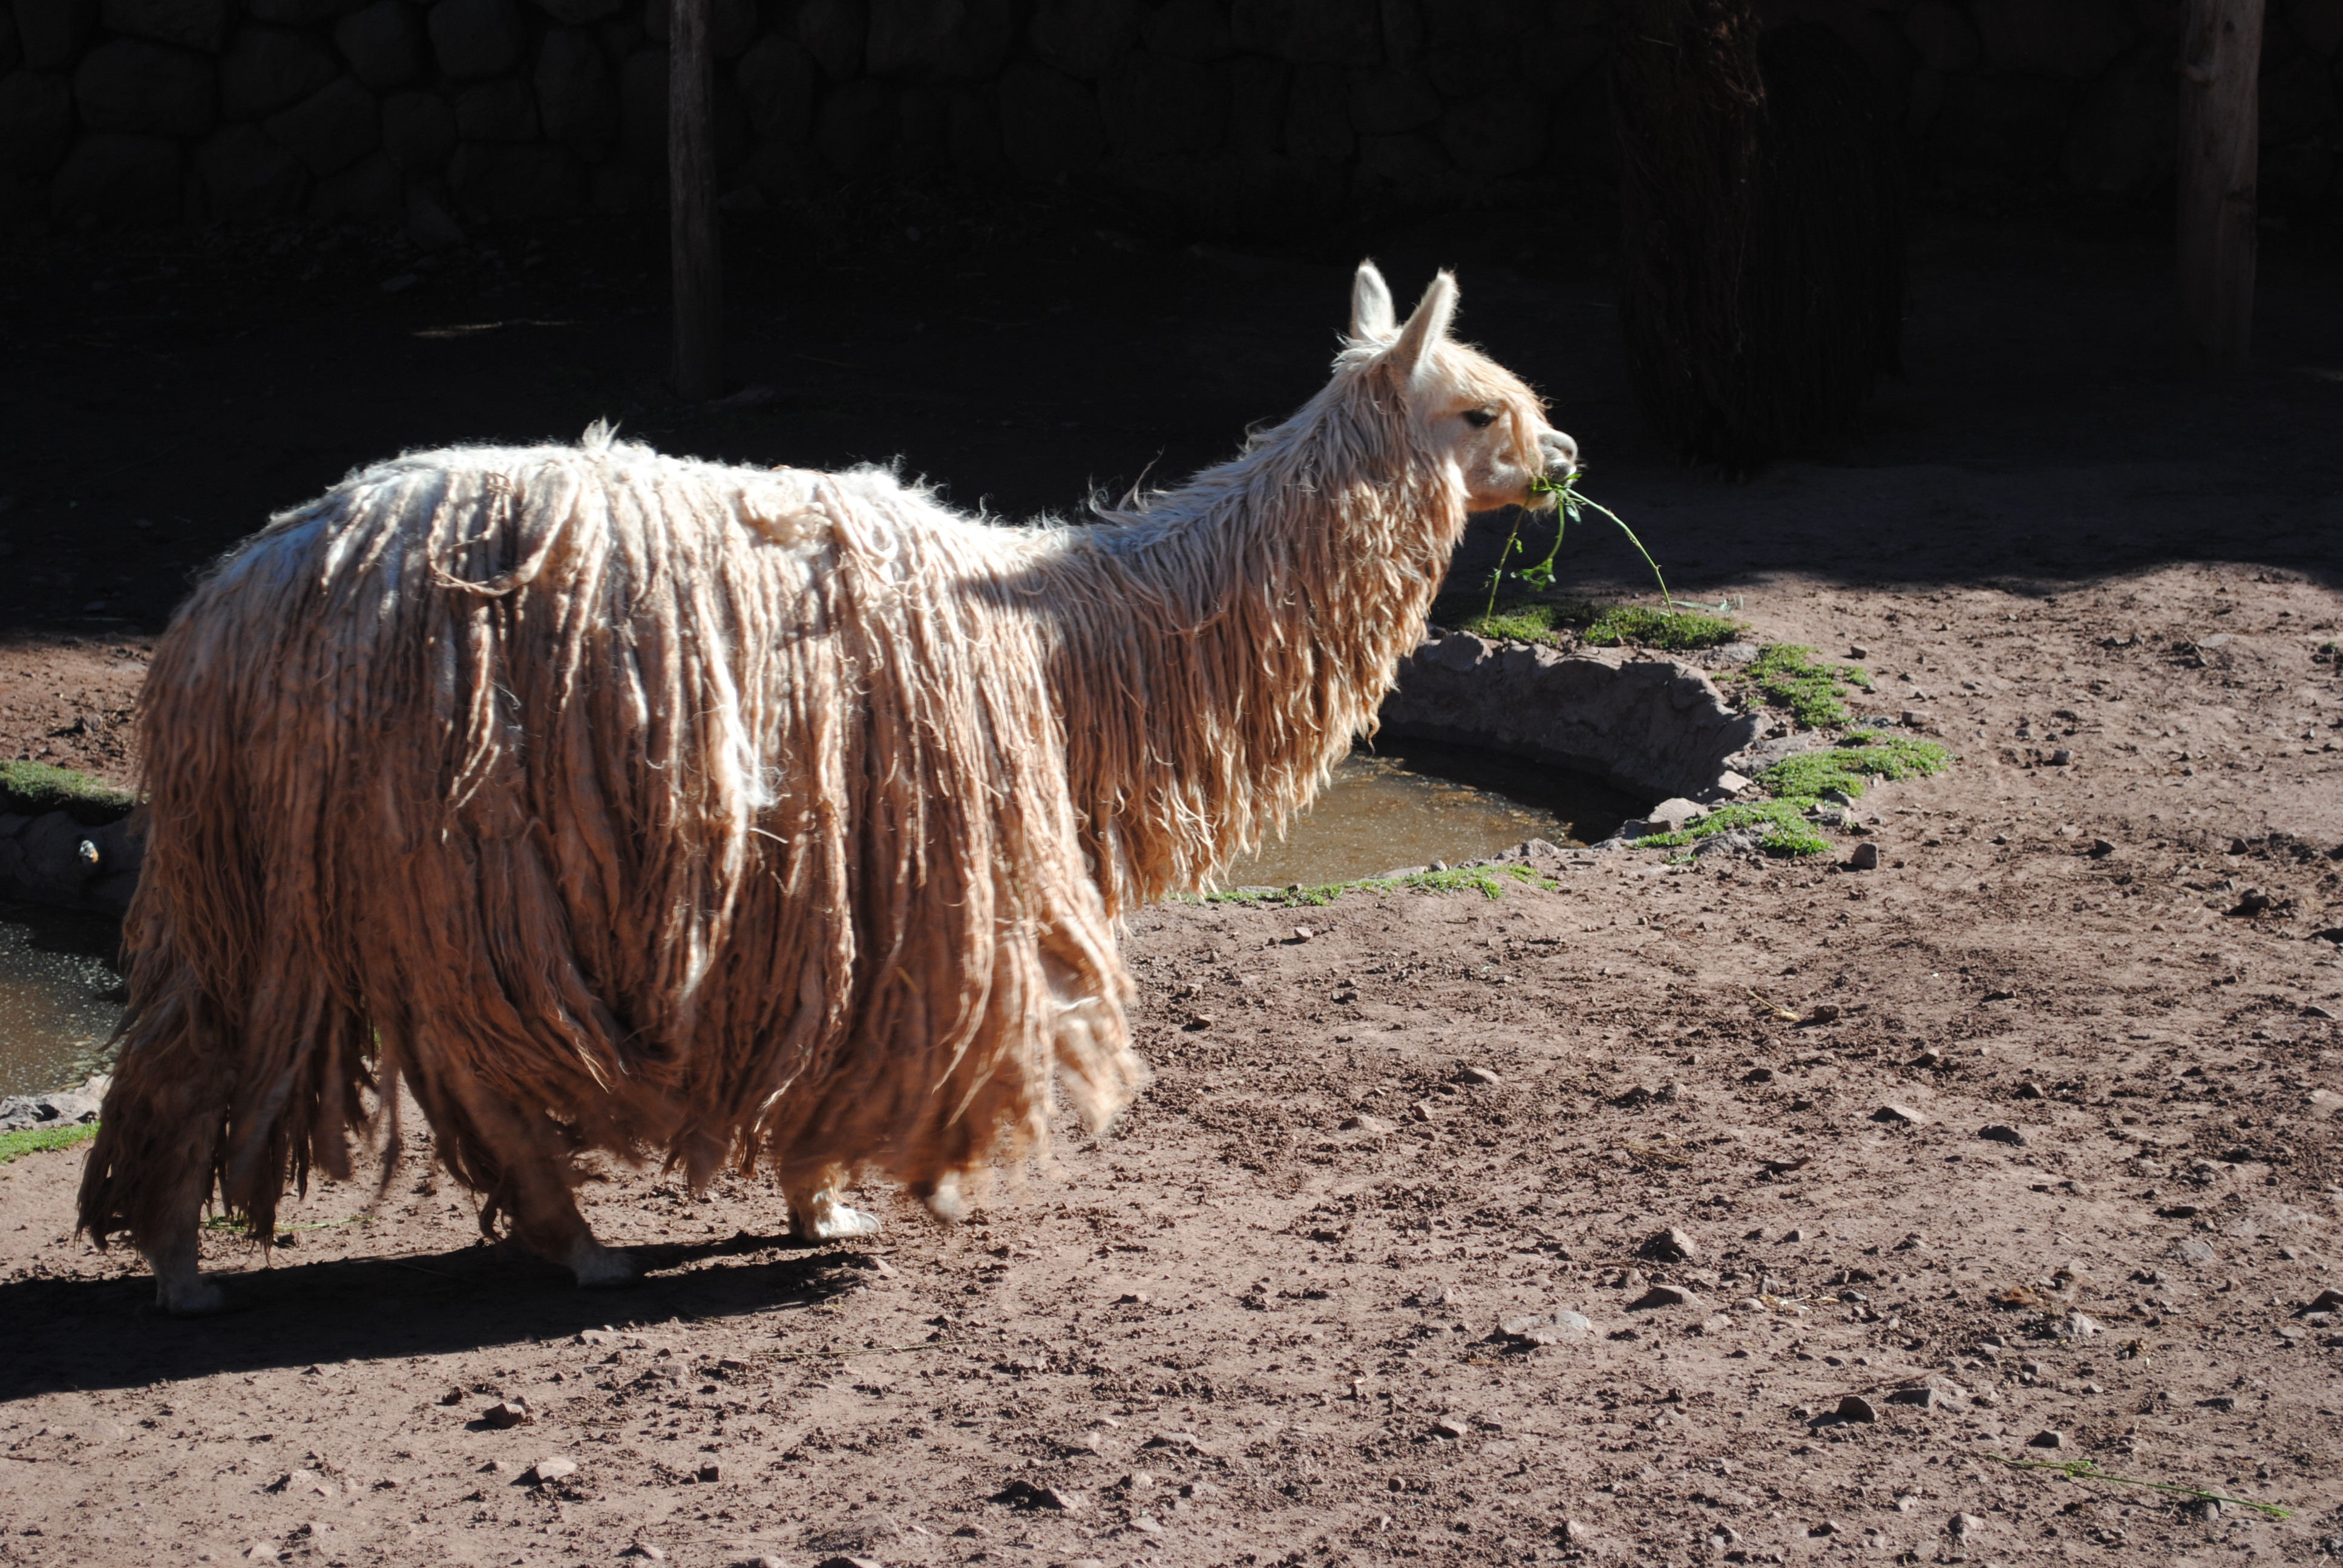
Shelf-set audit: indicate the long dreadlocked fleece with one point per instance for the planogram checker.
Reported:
(621, 801)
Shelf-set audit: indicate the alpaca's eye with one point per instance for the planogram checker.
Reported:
(1480, 419)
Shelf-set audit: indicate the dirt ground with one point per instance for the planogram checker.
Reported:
(1264, 1320)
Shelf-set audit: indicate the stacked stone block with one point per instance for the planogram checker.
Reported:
(1246, 116)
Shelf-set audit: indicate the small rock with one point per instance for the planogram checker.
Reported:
(1856, 650)
(1473, 1075)
(1364, 1122)
(1303, 933)
(1758, 1075)
(644, 1548)
(1674, 815)
(1965, 1527)
(1854, 1407)
(1997, 1132)
(1899, 1115)
(1558, 1327)
(2029, 1091)
(1132, 1298)
(1668, 1246)
(2076, 1326)
(2049, 1437)
(2325, 1302)
(508, 1412)
(2312, 1009)
(1827, 1527)
(710, 1471)
(2061, 758)
(1575, 1532)
(2101, 849)
(843, 1560)
(1824, 1013)
(452, 1396)
(1420, 1111)
(1023, 1494)
(1666, 1296)
(551, 1469)
(1450, 1427)
(1866, 857)
(2191, 1250)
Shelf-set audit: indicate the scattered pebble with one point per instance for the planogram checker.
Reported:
(2029, 1091)
(509, 1413)
(1899, 1115)
(1965, 1527)
(1450, 1427)
(1866, 857)
(553, 1468)
(1558, 1327)
(1366, 1122)
(1470, 1074)
(1668, 1246)
(1998, 1132)
(2049, 1437)
(1854, 1407)
(1665, 1296)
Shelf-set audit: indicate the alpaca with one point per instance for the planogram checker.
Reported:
(617, 803)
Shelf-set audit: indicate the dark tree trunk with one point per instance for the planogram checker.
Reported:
(697, 254)
(2220, 62)
(1762, 247)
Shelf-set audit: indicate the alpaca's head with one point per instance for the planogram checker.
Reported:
(1471, 412)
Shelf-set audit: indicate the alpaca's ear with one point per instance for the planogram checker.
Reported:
(1427, 327)
(1371, 319)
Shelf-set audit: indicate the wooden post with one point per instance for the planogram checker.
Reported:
(2220, 144)
(697, 256)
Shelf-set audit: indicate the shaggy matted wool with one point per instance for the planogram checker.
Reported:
(621, 801)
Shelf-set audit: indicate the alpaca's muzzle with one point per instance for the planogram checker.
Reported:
(1561, 454)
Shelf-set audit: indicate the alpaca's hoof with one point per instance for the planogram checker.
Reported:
(598, 1268)
(190, 1298)
(945, 1202)
(825, 1219)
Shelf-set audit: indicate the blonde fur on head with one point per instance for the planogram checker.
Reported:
(618, 801)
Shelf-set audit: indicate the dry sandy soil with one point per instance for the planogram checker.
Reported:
(1263, 1321)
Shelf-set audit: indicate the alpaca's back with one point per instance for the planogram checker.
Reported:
(629, 802)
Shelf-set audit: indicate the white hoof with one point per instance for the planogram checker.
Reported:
(190, 1298)
(598, 1266)
(946, 1202)
(823, 1218)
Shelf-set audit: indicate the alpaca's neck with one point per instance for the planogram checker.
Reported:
(1218, 652)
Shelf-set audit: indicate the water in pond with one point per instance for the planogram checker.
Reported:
(59, 996)
(1402, 804)
(1409, 803)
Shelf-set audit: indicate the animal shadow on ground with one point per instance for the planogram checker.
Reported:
(107, 1334)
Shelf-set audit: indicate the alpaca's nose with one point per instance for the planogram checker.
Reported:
(1561, 454)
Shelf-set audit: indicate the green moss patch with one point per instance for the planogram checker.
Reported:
(1680, 630)
(1489, 882)
(1787, 675)
(34, 788)
(38, 1140)
(1848, 767)
(1600, 626)
(1785, 827)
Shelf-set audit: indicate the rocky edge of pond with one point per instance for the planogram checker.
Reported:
(58, 1108)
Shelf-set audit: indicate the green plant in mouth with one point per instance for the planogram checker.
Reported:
(39, 1139)
(1860, 755)
(1569, 506)
(1786, 675)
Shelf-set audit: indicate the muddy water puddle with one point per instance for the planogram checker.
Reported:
(59, 997)
(1405, 804)
(1398, 805)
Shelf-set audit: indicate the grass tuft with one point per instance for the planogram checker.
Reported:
(1677, 630)
(1787, 675)
(1860, 755)
(33, 788)
(40, 1140)
(1786, 829)
(1489, 882)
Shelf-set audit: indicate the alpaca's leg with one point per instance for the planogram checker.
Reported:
(818, 1216)
(536, 1194)
(172, 1253)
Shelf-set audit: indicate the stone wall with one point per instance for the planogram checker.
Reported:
(1242, 116)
